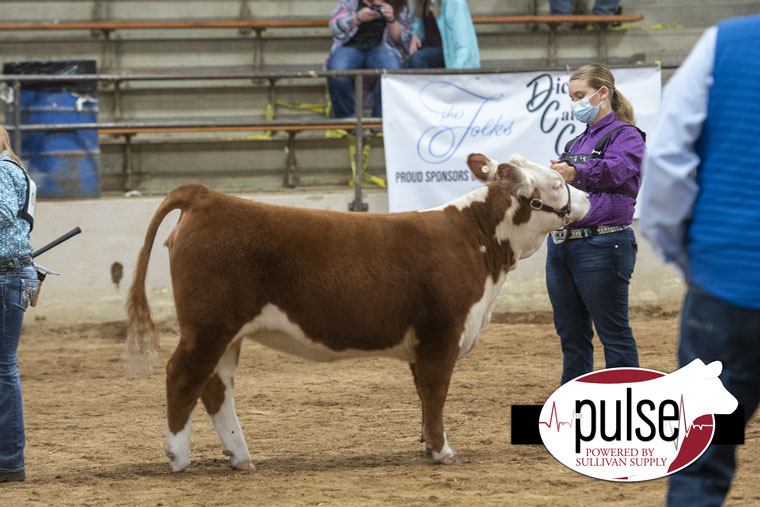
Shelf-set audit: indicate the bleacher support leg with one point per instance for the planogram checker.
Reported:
(272, 96)
(117, 107)
(292, 179)
(258, 50)
(126, 168)
(602, 43)
(552, 50)
(357, 204)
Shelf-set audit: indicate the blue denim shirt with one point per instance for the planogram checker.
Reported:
(14, 231)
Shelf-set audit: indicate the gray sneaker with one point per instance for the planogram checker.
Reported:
(13, 476)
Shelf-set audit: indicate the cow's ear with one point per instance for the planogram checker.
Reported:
(481, 166)
(512, 176)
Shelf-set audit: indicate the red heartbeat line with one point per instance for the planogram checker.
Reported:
(681, 417)
(553, 416)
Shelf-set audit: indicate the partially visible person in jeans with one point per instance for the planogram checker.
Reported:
(601, 7)
(18, 285)
(700, 209)
(443, 36)
(367, 34)
(589, 263)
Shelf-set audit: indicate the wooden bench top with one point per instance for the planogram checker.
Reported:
(260, 24)
(253, 128)
(231, 124)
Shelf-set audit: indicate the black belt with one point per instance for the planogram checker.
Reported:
(561, 235)
(14, 265)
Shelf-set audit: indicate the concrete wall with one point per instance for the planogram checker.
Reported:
(114, 229)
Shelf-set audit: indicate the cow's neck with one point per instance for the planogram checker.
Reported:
(490, 212)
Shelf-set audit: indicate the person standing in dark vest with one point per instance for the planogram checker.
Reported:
(18, 286)
(700, 209)
(589, 263)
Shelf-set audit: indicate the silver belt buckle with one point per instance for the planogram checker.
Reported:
(559, 236)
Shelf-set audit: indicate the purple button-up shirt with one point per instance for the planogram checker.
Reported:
(620, 167)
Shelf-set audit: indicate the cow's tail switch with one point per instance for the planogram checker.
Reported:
(142, 345)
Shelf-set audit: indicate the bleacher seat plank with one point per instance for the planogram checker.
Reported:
(283, 23)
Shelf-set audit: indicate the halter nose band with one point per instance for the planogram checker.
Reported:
(538, 204)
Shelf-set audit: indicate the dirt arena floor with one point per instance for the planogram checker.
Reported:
(320, 434)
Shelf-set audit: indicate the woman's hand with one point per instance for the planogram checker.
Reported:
(414, 44)
(366, 14)
(564, 169)
(388, 12)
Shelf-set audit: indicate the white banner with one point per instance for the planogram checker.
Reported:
(432, 122)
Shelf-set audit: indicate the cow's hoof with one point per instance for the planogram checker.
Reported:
(446, 456)
(240, 463)
(177, 464)
(447, 460)
(246, 466)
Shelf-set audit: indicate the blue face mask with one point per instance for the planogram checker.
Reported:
(584, 111)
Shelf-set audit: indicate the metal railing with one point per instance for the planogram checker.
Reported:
(357, 123)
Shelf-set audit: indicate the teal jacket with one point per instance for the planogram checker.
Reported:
(460, 44)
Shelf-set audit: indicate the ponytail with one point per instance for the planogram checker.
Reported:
(621, 106)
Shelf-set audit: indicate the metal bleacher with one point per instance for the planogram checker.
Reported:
(217, 91)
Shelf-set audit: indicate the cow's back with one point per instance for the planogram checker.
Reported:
(347, 281)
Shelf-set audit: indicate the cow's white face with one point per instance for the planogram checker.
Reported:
(552, 188)
(524, 179)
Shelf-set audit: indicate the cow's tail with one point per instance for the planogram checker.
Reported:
(142, 345)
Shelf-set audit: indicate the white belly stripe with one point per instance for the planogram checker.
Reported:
(273, 328)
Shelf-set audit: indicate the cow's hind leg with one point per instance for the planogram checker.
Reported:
(422, 404)
(187, 372)
(219, 399)
(433, 369)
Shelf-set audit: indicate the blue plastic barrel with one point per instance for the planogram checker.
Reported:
(64, 164)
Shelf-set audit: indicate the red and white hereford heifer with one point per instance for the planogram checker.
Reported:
(324, 285)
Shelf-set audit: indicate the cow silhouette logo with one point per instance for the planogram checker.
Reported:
(634, 424)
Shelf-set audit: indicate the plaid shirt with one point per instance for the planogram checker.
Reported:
(340, 24)
(14, 231)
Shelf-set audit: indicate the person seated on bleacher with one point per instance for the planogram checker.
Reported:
(367, 34)
(601, 7)
(443, 36)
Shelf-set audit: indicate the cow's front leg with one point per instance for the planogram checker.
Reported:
(422, 404)
(433, 372)
(219, 399)
(186, 374)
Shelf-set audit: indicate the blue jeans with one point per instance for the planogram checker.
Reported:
(714, 330)
(588, 280)
(341, 89)
(426, 58)
(601, 7)
(16, 290)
